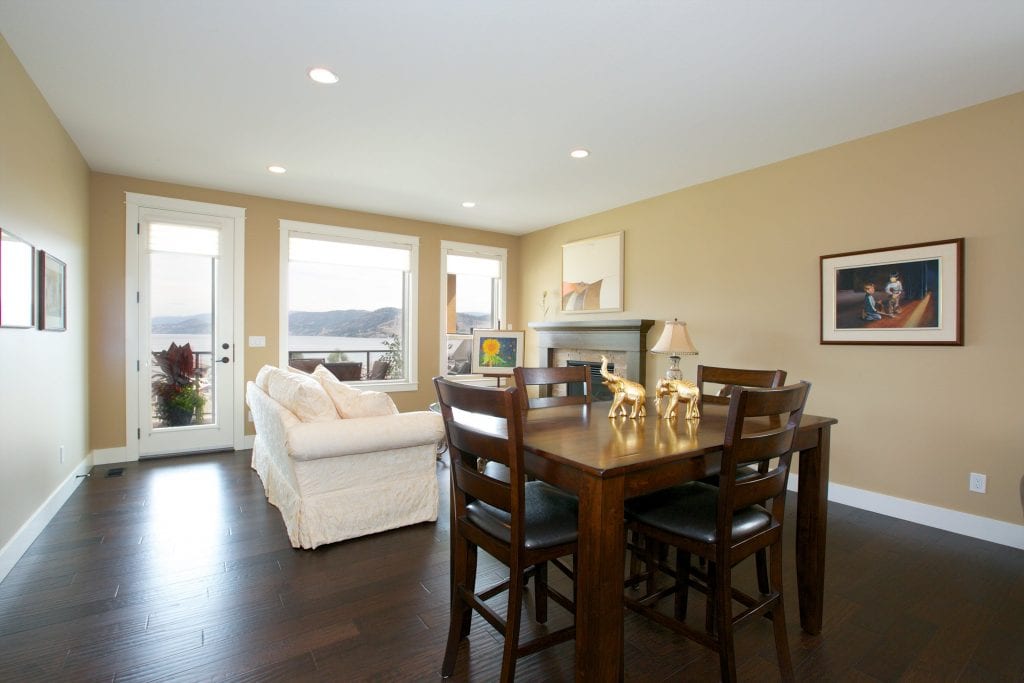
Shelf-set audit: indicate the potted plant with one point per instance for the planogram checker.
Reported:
(177, 385)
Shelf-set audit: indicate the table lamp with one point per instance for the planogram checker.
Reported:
(675, 341)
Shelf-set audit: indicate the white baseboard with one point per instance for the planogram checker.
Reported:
(30, 530)
(962, 523)
(109, 456)
(247, 441)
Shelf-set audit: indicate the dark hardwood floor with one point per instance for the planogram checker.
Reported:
(181, 571)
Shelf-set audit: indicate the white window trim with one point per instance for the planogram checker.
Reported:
(466, 249)
(384, 239)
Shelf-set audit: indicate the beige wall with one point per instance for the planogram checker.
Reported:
(737, 259)
(44, 196)
(262, 239)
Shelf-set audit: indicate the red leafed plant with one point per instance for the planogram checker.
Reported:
(176, 384)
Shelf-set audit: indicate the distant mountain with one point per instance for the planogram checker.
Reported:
(468, 321)
(182, 324)
(352, 323)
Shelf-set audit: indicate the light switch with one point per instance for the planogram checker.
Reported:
(257, 342)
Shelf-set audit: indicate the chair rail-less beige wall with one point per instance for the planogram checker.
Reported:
(262, 243)
(44, 199)
(737, 259)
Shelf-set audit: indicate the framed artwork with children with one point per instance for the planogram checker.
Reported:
(911, 294)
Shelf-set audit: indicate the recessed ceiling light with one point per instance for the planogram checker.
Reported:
(322, 75)
(277, 169)
(468, 205)
(579, 154)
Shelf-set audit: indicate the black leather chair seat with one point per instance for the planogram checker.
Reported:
(550, 518)
(691, 510)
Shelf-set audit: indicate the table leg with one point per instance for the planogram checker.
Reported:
(599, 613)
(812, 520)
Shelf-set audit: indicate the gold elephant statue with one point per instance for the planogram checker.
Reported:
(630, 398)
(676, 391)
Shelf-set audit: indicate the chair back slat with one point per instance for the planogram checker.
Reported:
(483, 423)
(728, 378)
(761, 427)
(545, 378)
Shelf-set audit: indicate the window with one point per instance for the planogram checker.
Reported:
(473, 296)
(350, 303)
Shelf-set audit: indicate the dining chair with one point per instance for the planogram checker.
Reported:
(727, 378)
(545, 378)
(727, 523)
(521, 523)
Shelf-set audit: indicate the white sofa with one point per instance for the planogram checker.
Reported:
(335, 477)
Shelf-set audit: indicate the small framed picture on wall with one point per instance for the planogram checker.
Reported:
(52, 293)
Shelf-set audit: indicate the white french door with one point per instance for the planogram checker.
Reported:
(186, 394)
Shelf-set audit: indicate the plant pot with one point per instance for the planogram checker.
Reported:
(179, 417)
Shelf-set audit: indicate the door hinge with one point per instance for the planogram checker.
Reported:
(138, 366)
(138, 231)
(138, 298)
(138, 433)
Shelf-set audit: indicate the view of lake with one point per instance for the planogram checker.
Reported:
(201, 342)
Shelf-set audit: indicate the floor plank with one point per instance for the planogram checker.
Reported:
(181, 571)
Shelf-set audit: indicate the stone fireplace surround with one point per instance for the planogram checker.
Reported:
(624, 342)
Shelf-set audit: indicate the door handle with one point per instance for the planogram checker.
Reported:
(225, 359)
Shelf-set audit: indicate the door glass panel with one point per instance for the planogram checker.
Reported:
(182, 277)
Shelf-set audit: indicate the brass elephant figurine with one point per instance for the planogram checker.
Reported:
(676, 390)
(627, 393)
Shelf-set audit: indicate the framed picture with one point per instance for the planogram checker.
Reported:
(52, 293)
(592, 274)
(496, 352)
(911, 294)
(17, 281)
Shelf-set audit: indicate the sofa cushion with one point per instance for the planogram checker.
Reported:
(366, 435)
(301, 394)
(351, 402)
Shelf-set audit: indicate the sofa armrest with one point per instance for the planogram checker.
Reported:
(313, 440)
(272, 420)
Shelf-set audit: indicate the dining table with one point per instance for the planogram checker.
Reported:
(606, 460)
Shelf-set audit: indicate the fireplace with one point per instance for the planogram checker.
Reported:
(598, 391)
(623, 342)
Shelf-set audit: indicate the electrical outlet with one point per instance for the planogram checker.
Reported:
(248, 416)
(257, 342)
(62, 455)
(977, 482)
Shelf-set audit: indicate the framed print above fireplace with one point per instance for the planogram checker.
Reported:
(592, 274)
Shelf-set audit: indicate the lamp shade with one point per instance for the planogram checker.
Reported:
(675, 340)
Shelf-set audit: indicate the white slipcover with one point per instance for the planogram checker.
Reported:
(344, 478)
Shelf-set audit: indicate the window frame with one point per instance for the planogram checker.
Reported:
(289, 228)
(499, 254)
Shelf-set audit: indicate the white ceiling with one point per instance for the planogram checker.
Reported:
(443, 101)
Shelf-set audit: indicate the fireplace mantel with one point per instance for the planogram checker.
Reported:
(626, 336)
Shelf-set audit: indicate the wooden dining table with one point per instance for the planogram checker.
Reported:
(606, 460)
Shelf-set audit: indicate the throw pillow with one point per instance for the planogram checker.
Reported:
(351, 402)
(297, 392)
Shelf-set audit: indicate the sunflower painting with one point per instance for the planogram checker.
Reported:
(497, 351)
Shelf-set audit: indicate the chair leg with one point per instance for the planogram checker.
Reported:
(779, 616)
(540, 588)
(682, 583)
(463, 577)
(512, 618)
(652, 556)
(761, 560)
(633, 538)
(470, 582)
(709, 612)
(723, 622)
